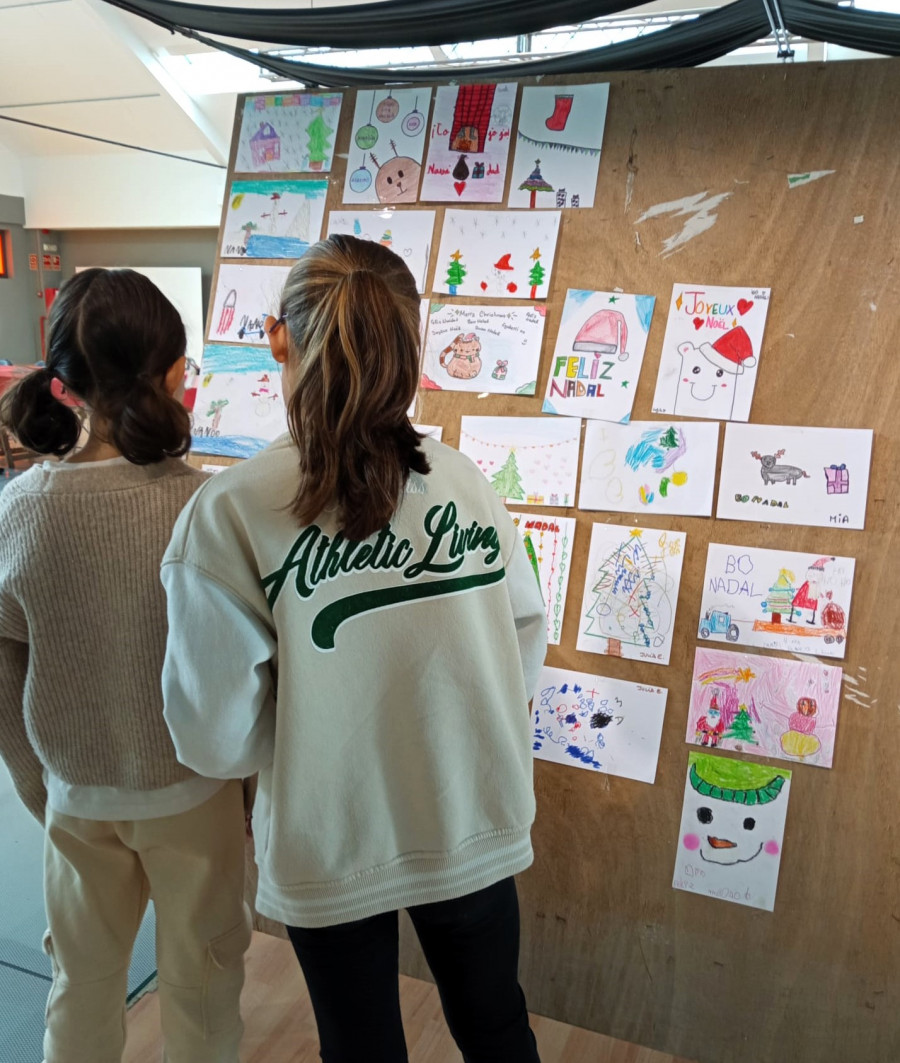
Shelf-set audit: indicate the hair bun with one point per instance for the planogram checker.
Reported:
(37, 418)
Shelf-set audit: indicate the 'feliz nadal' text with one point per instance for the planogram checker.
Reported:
(569, 375)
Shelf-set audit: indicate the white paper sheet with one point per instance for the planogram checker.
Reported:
(387, 140)
(489, 348)
(666, 467)
(776, 599)
(468, 143)
(549, 542)
(631, 592)
(711, 352)
(408, 233)
(497, 253)
(790, 475)
(558, 144)
(598, 355)
(244, 296)
(273, 219)
(598, 723)
(288, 132)
(529, 460)
(732, 830)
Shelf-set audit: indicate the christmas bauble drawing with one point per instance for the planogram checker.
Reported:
(388, 109)
(414, 122)
(361, 179)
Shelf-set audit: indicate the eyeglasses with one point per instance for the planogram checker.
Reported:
(279, 321)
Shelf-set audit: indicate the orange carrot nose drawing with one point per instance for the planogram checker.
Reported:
(721, 843)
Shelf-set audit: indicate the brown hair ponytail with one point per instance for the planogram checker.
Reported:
(112, 337)
(352, 311)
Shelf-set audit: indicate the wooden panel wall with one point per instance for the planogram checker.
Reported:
(606, 942)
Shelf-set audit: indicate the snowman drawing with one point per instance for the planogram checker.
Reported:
(709, 374)
(265, 397)
(733, 811)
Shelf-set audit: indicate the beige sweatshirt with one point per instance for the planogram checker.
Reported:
(83, 625)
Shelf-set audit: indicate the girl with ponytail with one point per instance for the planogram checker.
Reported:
(373, 580)
(82, 642)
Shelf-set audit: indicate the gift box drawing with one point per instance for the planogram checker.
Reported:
(837, 479)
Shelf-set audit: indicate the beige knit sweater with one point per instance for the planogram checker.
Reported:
(83, 625)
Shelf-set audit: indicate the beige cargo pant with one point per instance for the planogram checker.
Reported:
(98, 877)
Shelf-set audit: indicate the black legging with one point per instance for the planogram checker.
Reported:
(472, 947)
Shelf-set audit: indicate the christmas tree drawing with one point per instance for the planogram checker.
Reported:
(741, 729)
(537, 274)
(456, 272)
(319, 135)
(781, 596)
(630, 602)
(506, 481)
(669, 439)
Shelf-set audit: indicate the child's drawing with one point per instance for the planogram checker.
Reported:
(244, 296)
(711, 351)
(599, 353)
(764, 705)
(468, 143)
(386, 146)
(776, 599)
(548, 543)
(785, 474)
(631, 592)
(273, 219)
(594, 722)
(240, 406)
(657, 466)
(497, 253)
(558, 145)
(531, 461)
(408, 233)
(483, 348)
(732, 830)
(290, 132)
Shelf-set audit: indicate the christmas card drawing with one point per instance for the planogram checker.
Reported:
(764, 705)
(776, 599)
(790, 475)
(598, 356)
(291, 132)
(711, 352)
(468, 143)
(273, 219)
(558, 143)
(631, 592)
(408, 233)
(598, 723)
(732, 830)
(245, 295)
(483, 348)
(386, 145)
(529, 460)
(239, 407)
(497, 254)
(658, 466)
(548, 543)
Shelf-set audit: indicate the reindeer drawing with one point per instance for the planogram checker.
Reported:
(772, 473)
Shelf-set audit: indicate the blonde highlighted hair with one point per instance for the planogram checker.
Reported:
(351, 308)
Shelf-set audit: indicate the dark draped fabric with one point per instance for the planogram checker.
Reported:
(400, 23)
(689, 43)
(869, 31)
(393, 24)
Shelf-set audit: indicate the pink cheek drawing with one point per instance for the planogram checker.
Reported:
(686, 380)
(772, 848)
(692, 842)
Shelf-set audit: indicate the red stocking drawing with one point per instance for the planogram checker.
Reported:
(227, 316)
(561, 111)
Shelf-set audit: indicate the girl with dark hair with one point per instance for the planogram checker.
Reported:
(374, 579)
(82, 641)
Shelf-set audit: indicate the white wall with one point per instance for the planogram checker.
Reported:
(11, 179)
(120, 191)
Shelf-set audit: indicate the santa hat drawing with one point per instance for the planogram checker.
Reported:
(503, 263)
(732, 352)
(819, 566)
